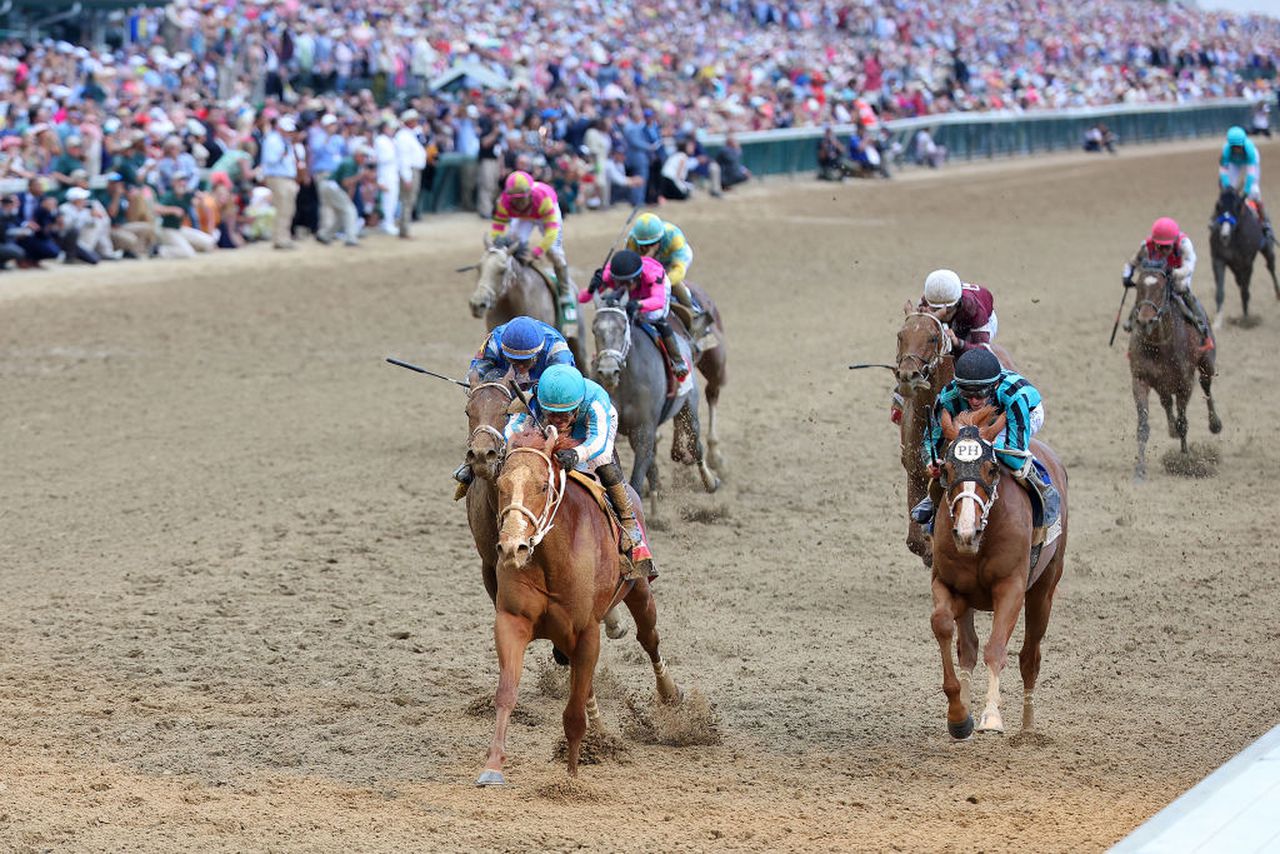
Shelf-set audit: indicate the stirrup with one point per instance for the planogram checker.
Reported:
(922, 513)
(679, 368)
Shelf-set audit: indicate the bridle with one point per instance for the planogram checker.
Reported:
(490, 293)
(619, 354)
(927, 366)
(489, 429)
(1160, 308)
(967, 452)
(555, 494)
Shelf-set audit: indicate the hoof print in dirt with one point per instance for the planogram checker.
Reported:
(692, 721)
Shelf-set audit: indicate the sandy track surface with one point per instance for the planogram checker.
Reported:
(241, 611)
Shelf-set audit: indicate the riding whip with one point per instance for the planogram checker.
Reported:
(519, 392)
(862, 365)
(1123, 297)
(626, 226)
(415, 368)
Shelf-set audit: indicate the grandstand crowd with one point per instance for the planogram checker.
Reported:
(203, 125)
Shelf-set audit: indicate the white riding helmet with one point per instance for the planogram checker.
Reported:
(942, 289)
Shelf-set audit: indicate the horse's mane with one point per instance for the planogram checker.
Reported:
(530, 437)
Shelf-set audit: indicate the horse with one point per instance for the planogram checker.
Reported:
(507, 287)
(1165, 353)
(487, 405)
(712, 364)
(557, 575)
(631, 367)
(1235, 238)
(982, 560)
(924, 365)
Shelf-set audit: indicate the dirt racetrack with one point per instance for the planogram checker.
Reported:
(241, 611)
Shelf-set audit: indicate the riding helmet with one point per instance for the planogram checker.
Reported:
(625, 266)
(648, 229)
(522, 338)
(518, 184)
(977, 369)
(1165, 231)
(942, 288)
(561, 389)
(1236, 136)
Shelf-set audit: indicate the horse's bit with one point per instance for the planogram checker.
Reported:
(555, 494)
(619, 354)
(489, 428)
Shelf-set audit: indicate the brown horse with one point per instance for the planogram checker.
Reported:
(982, 540)
(557, 575)
(924, 366)
(507, 287)
(712, 363)
(1165, 352)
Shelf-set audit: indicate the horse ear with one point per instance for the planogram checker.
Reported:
(908, 308)
(993, 429)
(487, 239)
(949, 428)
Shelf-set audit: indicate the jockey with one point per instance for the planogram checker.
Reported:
(524, 204)
(649, 297)
(980, 381)
(524, 347)
(583, 414)
(1241, 168)
(652, 237)
(968, 310)
(1169, 250)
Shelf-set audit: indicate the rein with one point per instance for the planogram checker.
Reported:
(619, 354)
(928, 366)
(489, 429)
(1161, 309)
(542, 524)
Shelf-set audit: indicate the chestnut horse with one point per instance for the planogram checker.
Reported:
(924, 366)
(557, 575)
(1165, 352)
(982, 539)
(507, 287)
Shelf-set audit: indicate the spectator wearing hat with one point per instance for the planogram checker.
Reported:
(489, 128)
(347, 178)
(91, 226)
(178, 240)
(411, 159)
(66, 163)
(384, 148)
(280, 168)
(132, 239)
(174, 161)
(39, 216)
(327, 148)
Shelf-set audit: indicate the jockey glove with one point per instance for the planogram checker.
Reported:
(1125, 281)
(633, 306)
(597, 280)
(567, 458)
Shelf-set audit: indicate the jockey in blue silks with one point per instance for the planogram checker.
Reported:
(1241, 167)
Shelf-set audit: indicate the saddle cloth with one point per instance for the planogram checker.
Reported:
(675, 388)
(597, 492)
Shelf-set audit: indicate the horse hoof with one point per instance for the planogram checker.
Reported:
(991, 723)
(1215, 424)
(614, 627)
(962, 731)
(491, 778)
(712, 485)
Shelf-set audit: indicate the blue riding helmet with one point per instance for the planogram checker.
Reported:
(561, 389)
(522, 339)
(1236, 136)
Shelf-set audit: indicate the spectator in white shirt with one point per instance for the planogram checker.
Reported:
(411, 159)
(384, 150)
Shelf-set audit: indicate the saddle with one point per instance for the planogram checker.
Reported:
(597, 492)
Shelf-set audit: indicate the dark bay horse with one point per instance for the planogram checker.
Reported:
(629, 365)
(924, 366)
(982, 538)
(507, 287)
(1235, 238)
(1165, 352)
(557, 576)
(712, 363)
(487, 405)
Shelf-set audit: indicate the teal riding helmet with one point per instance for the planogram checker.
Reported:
(561, 389)
(648, 229)
(1236, 136)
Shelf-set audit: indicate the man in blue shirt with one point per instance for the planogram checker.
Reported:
(280, 167)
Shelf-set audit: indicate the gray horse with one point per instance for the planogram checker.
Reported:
(1235, 238)
(629, 365)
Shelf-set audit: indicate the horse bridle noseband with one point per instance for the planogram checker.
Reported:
(542, 524)
(928, 366)
(969, 484)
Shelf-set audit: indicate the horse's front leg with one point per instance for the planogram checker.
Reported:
(710, 481)
(1244, 276)
(582, 667)
(1141, 397)
(1219, 290)
(1009, 594)
(645, 613)
(1166, 401)
(946, 607)
(1180, 424)
(511, 634)
(642, 440)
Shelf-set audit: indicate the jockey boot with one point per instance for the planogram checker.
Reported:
(922, 514)
(1268, 236)
(568, 294)
(1193, 311)
(678, 366)
(621, 503)
(698, 318)
(463, 475)
(1050, 500)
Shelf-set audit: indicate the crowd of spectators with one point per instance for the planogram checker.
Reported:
(225, 121)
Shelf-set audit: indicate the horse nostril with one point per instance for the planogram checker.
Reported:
(522, 550)
(490, 455)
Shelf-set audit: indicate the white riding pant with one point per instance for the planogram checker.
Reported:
(1236, 175)
(990, 327)
(521, 230)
